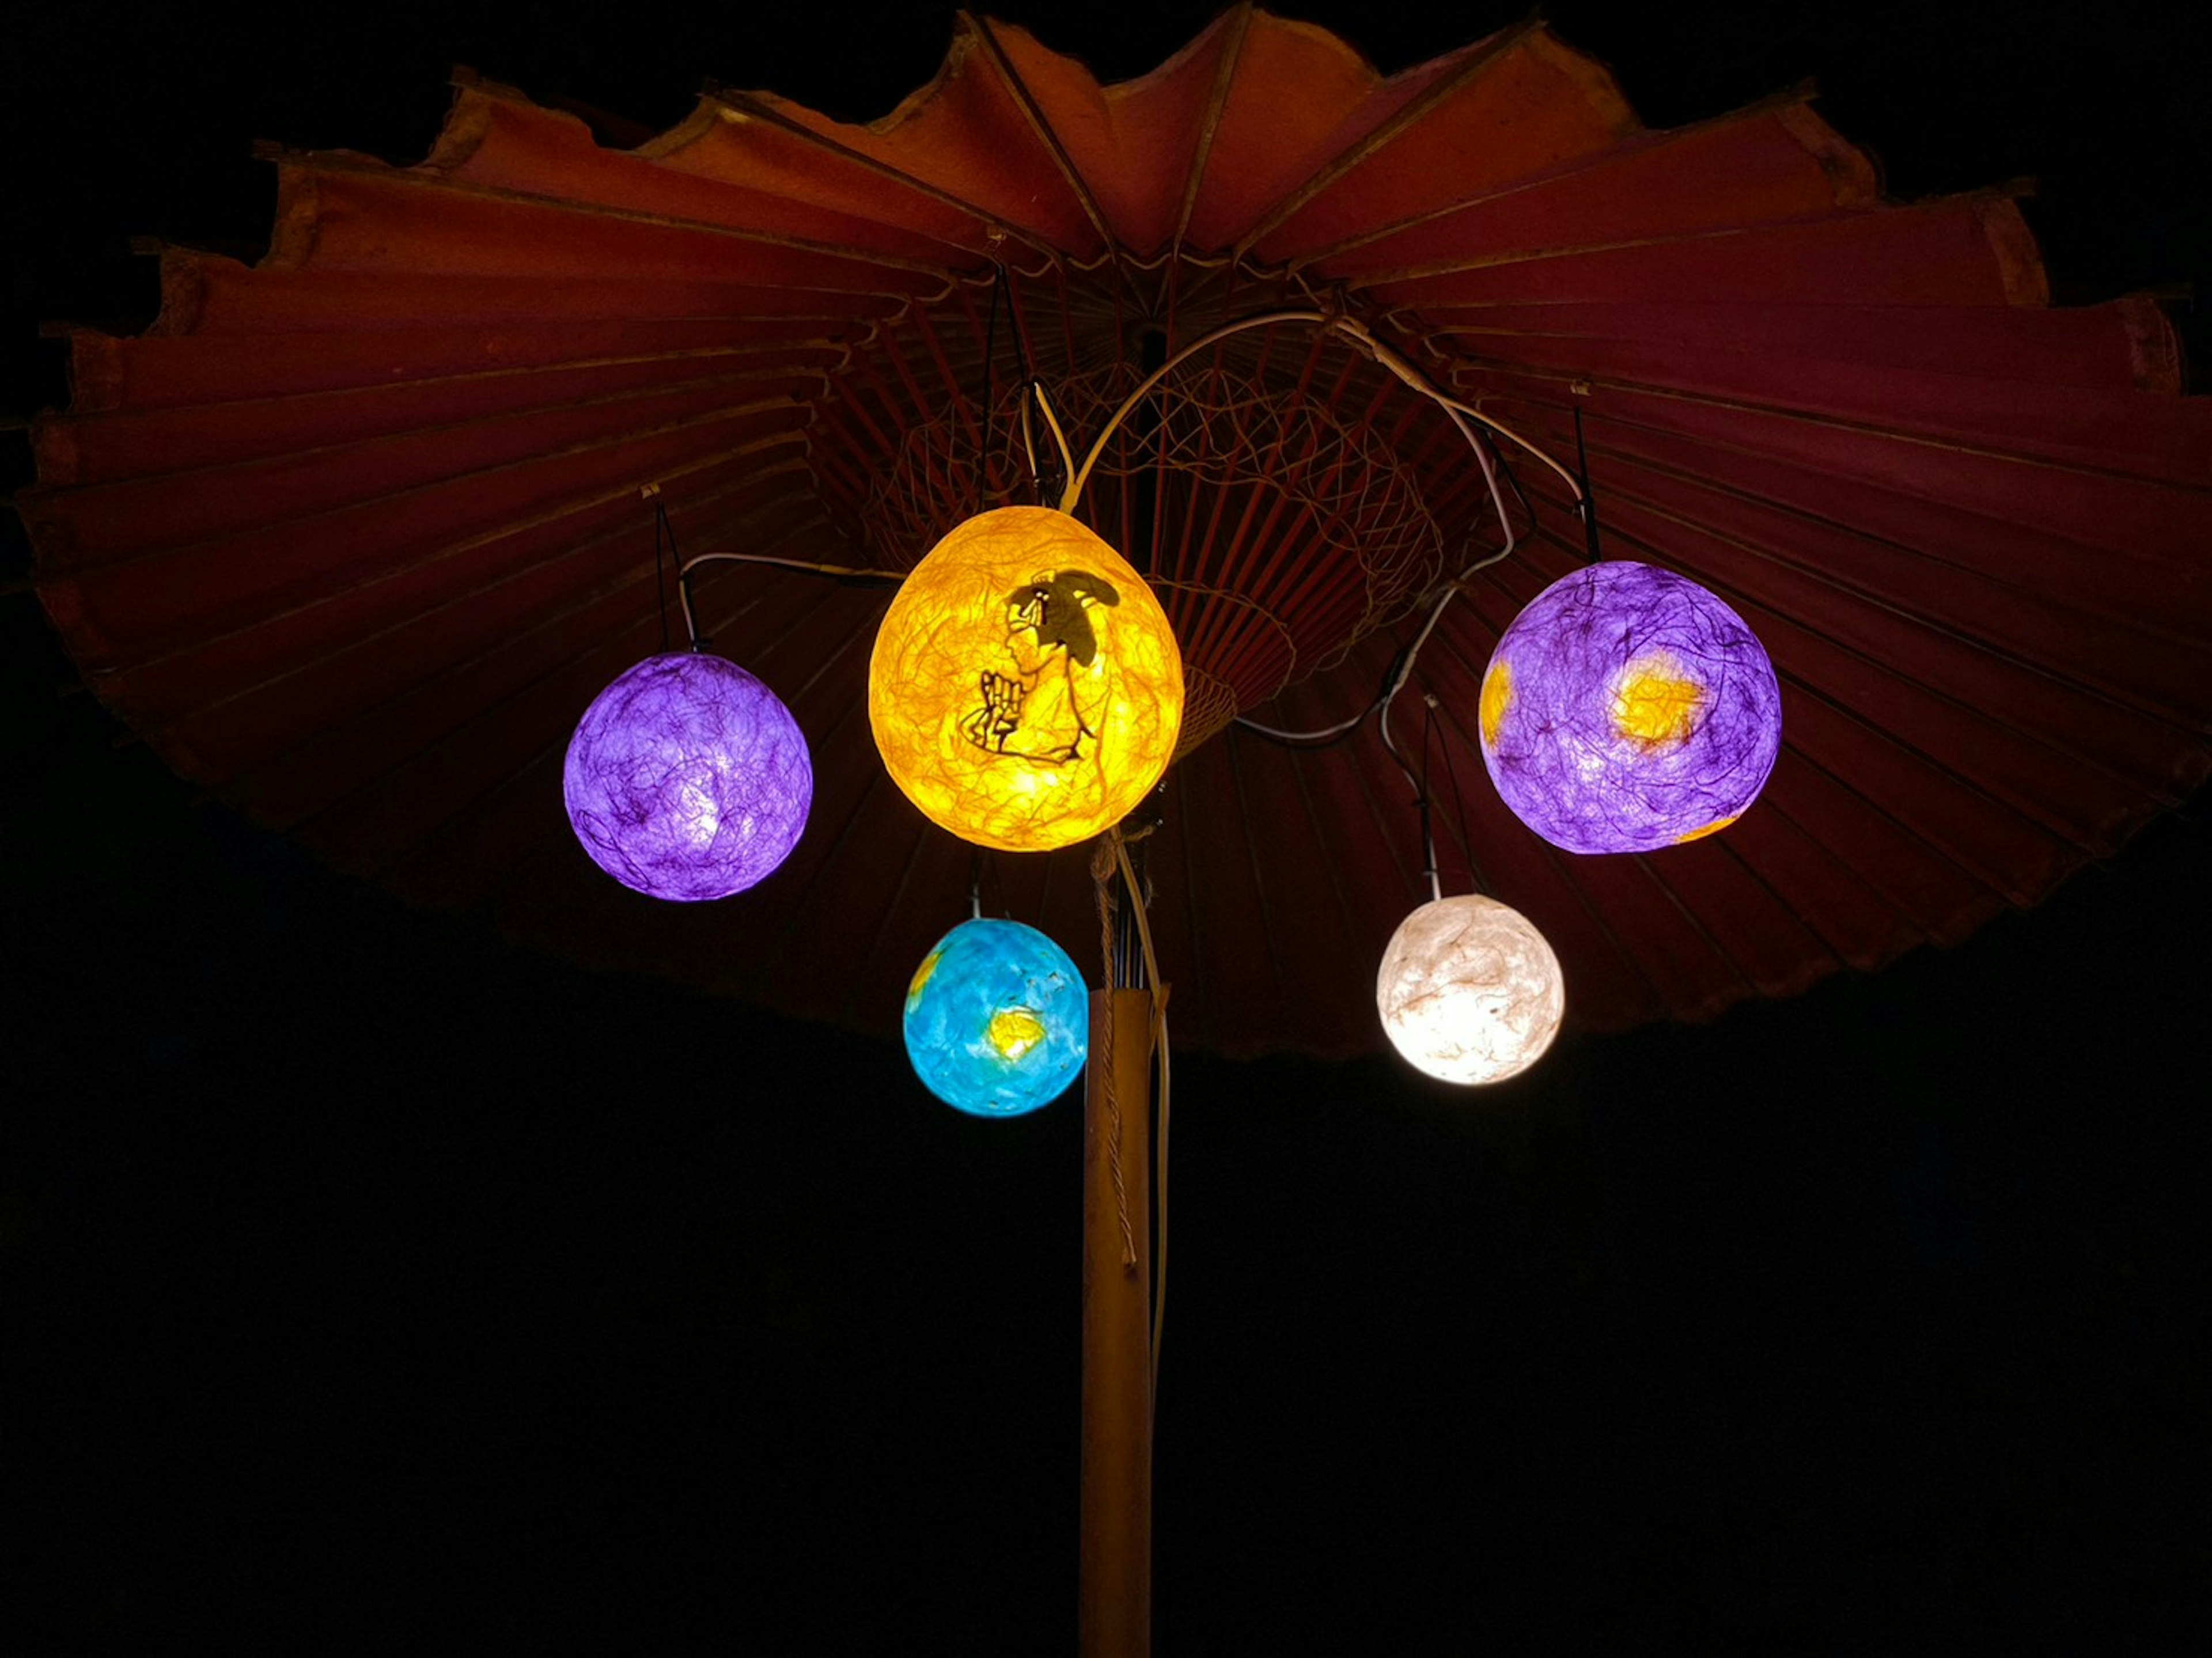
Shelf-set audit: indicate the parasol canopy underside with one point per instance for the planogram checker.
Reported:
(352, 537)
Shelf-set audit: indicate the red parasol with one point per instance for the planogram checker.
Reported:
(352, 537)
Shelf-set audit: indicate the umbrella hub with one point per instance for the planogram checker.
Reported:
(1284, 495)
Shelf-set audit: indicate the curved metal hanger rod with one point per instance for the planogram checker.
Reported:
(1383, 354)
(844, 572)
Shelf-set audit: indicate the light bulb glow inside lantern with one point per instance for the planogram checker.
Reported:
(687, 779)
(1025, 691)
(1469, 991)
(1627, 709)
(998, 1021)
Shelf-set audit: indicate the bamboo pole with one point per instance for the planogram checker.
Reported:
(1114, 1613)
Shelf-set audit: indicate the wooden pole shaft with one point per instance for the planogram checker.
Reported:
(1114, 1614)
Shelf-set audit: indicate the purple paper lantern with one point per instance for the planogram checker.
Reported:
(1627, 709)
(687, 779)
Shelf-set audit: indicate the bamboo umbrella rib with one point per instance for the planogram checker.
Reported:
(298, 405)
(755, 109)
(354, 733)
(241, 471)
(1878, 496)
(1048, 140)
(2175, 471)
(2038, 734)
(505, 639)
(1845, 870)
(152, 376)
(2122, 344)
(623, 646)
(956, 399)
(1747, 985)
(2074, 677)
(654, 442)
(378, 173)
(897, 414)
(1991, 895)
(2046, 460)
(843, 405)
(919, 403)
(1961, 627)
(1480, 58)
(331, 591)
(1367, 282)
(1575, 168)
(1236, 24)
(2001, 577)
(242, 306)
(370, 639)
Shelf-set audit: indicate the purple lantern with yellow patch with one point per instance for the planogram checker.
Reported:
(1627, 709)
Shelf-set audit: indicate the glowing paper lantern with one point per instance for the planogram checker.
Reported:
(687, 779)
(1469, 991)
(1626, 709)
(997, 1019)
(1025, 690)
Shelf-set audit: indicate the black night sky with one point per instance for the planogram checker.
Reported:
(370, 1284)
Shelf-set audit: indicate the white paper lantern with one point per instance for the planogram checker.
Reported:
(1469, 991)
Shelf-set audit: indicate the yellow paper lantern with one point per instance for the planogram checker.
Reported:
(1025, 691)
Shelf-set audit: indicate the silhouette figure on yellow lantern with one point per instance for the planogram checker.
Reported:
(1039, 711)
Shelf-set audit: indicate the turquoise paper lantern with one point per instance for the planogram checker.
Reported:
(998, 1020)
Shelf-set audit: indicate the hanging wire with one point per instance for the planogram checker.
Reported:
(1459, 802)
(1413, 650)
(1032, 387)
(846, 573)
(1329, 737)
(662, 527)
(1029, 445)
(1326, 738)
(1587, 506)
(990, 376)
(1428, 827)
(650, 495)
(1527, 507)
